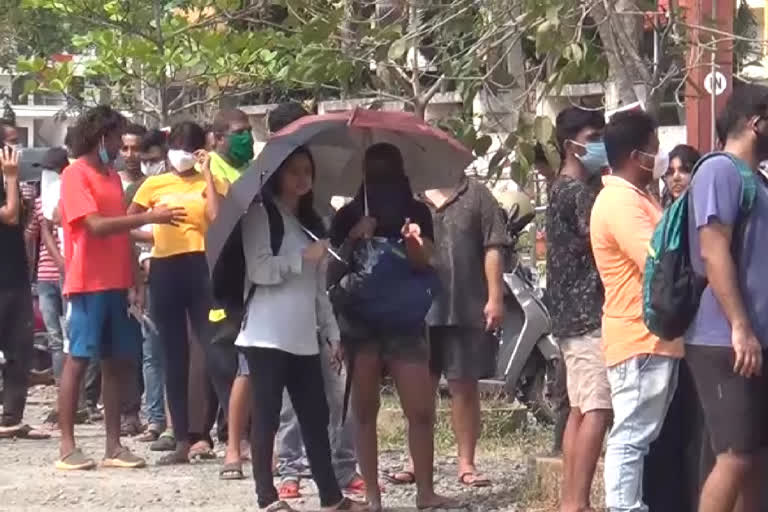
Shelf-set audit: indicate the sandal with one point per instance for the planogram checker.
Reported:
(474, 479)
(356, 486)
(173, 459)
(23, 432)
(124, 459)
(202, 454)
(280, 506)
(348, 504)
(75, 461)
(446, 504)
(149, 436)
(231, 471)
(165, 443)
(404, 477)
(289, 490)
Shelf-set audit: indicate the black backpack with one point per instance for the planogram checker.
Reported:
(228, 277)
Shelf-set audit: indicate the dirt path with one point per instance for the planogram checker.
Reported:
(29, 482)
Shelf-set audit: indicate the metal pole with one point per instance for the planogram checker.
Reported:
(713, 84)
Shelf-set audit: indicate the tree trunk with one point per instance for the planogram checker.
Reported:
(621, 35)
(349, 36)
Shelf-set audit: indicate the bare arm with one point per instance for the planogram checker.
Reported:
(494, 268)
(46, 233)
(212, 197)
(721, 271)
(9, 212)
(142, 237)
(715, 241)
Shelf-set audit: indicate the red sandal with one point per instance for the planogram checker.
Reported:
(289, 490)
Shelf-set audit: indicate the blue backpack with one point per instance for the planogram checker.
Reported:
(671, 287)
(382, 291)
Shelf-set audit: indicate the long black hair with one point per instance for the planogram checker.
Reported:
(307, 215)
(94, 124)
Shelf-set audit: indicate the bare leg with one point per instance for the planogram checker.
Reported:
(366, 379)
(585, 454)
(570, 436)
(114, 373)
(239, 410)
(465, 413)
(751, 498)
(725, 483)
(72, 375)
(414, 385)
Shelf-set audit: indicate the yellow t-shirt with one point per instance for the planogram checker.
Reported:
(222, 170)
(172, 190)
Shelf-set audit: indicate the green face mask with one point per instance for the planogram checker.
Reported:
(240, 148)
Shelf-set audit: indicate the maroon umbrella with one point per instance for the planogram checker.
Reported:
(433, 159)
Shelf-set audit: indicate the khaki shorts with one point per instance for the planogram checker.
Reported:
(588, 388)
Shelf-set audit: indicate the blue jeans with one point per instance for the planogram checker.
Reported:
(290, 448)
(153, 365)
(641, 390)
(52, 309)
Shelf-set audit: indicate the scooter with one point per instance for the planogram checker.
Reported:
(529, 362)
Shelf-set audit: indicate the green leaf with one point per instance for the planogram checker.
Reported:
(30, 87)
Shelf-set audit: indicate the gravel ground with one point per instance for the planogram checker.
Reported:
(29, 482)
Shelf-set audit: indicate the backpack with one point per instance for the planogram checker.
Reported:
(228, 277)
(381, 291)
(671, 288)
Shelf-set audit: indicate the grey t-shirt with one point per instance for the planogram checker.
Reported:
(716, 194)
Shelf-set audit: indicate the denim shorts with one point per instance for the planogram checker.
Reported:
(100, 327)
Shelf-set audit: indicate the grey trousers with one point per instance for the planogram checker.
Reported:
(292, 462)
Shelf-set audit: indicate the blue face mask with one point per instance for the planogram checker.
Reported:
(103, 154)
(595, 159)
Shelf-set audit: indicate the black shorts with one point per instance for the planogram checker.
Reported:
(735, 408)
(462, 352)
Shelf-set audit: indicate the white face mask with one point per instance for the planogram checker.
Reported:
(153, 168)
(660, 164)
(181, 160)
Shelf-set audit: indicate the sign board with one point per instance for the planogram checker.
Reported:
(715, 83)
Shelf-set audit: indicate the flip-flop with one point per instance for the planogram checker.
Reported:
(231, 471)
(449, 504)
(403, 477)
(165, 443)
(289, 490)
(149, 436)
(23, 432)
(124, 459)
(474, 479)
(173, 459)
(75, 461)
(280, 506)
(346, 504)
(202, 454)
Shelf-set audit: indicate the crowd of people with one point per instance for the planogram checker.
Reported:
(118, 239)
(685, 418)
(118, 235)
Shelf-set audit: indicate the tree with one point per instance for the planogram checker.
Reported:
(159, 58)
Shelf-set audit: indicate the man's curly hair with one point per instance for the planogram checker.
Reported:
(92, 126)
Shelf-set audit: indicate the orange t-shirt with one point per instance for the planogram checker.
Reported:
(621, 226)
(93, 263)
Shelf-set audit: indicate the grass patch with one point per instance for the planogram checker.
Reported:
(507, 429)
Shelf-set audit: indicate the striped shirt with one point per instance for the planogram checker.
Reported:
(47, 270)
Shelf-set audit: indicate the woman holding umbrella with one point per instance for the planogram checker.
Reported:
(385, 145)
(385, 207)
(287, 302)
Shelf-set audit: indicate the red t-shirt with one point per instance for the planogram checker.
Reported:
(93, 263)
